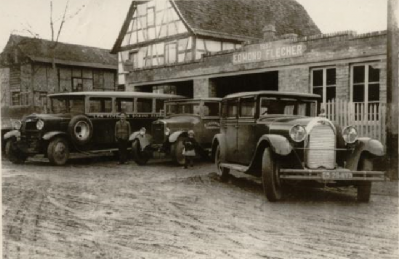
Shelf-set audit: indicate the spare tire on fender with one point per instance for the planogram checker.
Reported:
(80, 129)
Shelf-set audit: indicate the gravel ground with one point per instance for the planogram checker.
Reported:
(94, 208)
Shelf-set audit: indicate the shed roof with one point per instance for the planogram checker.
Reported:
(118, 94)
(40, 50)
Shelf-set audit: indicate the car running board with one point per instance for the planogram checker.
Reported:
(239, 168)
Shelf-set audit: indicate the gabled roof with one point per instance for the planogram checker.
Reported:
(40, 50)
(239, 20)
(246, 18)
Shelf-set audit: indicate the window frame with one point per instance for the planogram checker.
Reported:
(240, 107)
(136, 111)
(90, 98)
(366, 82)
(324, 85)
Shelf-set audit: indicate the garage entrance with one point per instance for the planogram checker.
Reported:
(245, 83)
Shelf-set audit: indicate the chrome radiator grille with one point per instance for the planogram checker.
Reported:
(321, 148)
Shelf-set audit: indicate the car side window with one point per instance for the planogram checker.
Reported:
(247, 107)
(101, 105)
(144, 105)
(211, 109)
(266, 107)
(159, 105)
(124, 105)
(230, 108)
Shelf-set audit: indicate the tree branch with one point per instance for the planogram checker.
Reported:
(51, 21)
(62, 22)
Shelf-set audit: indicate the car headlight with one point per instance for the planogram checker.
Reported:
(298, 133)
(39, 124)
(142, 131)
(17, 124)
(349, 134)
(167, 131)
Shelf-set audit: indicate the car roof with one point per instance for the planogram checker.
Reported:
(211, 99)
(273, 93)
(118, 94)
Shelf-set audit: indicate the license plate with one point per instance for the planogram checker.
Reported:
(336, 175)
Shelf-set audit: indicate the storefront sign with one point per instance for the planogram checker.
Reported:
(268, 51)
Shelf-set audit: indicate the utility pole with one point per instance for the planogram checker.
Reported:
(392, 90)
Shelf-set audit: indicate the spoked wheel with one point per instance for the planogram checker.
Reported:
(271, 176)
(222, 171)
(58, 151)
(139, 156)
(12, 153)
(364, 188)
(177, 151)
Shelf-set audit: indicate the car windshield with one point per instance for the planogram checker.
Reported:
(270, 106)
(64, 104)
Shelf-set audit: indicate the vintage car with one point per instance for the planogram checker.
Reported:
(277, 136)
(81, 122)
(167, 135)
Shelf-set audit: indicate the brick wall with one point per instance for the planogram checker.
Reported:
(294, 80)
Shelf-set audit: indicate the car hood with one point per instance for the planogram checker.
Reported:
(281, 124)
(47, 117)
(180, 121)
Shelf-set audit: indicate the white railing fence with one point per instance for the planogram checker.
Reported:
(368, 119)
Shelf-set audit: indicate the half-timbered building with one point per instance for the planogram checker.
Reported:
(169, 36)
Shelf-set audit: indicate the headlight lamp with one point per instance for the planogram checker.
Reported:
(39, 124)
(167, 131)
(142, 131)
(298, 133)
(17, 124)
(349, 134)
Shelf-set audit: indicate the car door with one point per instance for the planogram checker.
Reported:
(246, 142)
(100, 109)
(230, 109)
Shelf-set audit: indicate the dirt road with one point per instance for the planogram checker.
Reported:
(99, 209)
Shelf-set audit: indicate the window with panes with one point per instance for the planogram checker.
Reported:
(365, 89)
(324, 82)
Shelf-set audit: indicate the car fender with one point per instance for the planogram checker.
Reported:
(175, 135)
(279, 144)
(12, 134)
(369, 145)
(51, 134)
(144, 140)
(219, 139)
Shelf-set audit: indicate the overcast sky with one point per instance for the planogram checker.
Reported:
(99, 22)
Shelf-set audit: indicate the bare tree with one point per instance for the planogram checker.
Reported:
(65, 17)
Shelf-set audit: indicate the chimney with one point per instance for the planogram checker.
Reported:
(269, 32)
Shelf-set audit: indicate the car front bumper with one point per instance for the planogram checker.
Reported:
(340, 174)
